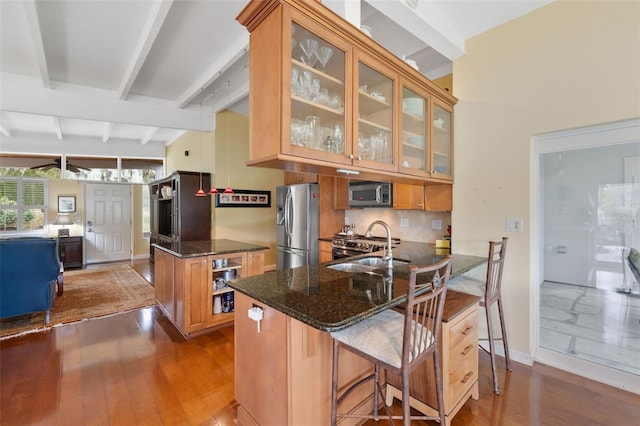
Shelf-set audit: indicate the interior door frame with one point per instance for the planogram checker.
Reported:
(600, 135)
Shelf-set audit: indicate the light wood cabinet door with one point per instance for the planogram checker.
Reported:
(438, 197)
(408, 197)
(255, 263)
(164, 282)
(195, 274)
(341, 193)
(441, 147)
(414, 139)
(325, 254)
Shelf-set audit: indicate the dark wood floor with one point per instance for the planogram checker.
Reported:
(135, 368)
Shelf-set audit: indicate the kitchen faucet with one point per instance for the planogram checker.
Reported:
(388, 254)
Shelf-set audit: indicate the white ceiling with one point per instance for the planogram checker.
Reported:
(119, 77)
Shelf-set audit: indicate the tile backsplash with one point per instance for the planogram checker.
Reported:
(419, 227)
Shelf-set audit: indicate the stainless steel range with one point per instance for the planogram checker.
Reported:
(346, 246)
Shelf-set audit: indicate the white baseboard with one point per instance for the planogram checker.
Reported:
(600, 373)
(140, 256)
(516, 356)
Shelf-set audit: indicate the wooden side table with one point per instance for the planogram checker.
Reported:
(70, 252)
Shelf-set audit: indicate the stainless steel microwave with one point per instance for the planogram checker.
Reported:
(370, 194)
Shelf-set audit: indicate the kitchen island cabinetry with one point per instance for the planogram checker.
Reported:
(291, 383)
(325, 97)
(186, 284)
(296, 363)
(459, 349)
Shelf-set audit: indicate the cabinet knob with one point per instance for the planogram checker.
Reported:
(359, 157)
(350, 156)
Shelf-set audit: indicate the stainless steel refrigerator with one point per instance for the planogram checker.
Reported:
(296, 225)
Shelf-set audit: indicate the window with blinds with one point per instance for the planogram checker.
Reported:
(23, 204)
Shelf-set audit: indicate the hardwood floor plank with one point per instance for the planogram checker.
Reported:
(135, 368)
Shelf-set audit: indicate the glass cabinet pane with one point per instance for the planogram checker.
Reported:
(414, 131)
(441, 151)
(375, 116)
(317, 92)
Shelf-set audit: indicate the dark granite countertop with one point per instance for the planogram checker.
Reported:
(330, 300)
(206, 247)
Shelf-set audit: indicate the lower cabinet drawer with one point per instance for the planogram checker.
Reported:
(462, 378)
(462, 350)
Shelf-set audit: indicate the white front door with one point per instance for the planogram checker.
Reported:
(108, 227)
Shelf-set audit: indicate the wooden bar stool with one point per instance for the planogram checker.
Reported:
(490, 290)
(398, 342)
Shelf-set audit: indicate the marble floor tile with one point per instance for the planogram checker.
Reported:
(595, 324)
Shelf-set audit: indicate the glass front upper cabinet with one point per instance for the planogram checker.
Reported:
(318, 92)
(441, 147)
(414, 136)
(374, 130)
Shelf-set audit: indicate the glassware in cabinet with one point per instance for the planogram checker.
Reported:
(414, 135)
(375, 117)
(318, 93)
(441, 146)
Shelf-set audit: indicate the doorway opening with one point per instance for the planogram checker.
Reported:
(588, 216)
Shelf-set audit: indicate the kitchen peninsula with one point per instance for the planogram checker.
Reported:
(299, 306)
(187, 278)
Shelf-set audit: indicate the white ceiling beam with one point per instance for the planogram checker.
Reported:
(237, 49)
(147, 137)
(107, 132)
(95, 104)
(426, 22)
(47, 144)
(175, 136)
(36, 38)
(235, 94)
(56, 127)
(159, 12)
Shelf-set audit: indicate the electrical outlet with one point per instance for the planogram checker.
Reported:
(436, 224)
(549, 249)
(514, 224)
(562, 249)
(404, 223)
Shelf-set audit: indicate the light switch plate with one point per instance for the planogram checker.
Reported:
(404, 223)
(514, 224)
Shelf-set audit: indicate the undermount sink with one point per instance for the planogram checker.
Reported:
(365, 264)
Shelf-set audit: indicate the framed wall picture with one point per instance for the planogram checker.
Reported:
(66, 204)
(243, 198)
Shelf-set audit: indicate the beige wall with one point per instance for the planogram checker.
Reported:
(252, 225)
(201, 153)
(208, 153)
(66, 187)
(566, 65)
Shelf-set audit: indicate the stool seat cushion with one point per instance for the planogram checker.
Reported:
(380, 337)
(467, 285)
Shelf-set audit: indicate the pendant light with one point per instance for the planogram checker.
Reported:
(200, 192)
(228, 190)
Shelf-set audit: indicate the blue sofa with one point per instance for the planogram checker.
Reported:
(29, 269)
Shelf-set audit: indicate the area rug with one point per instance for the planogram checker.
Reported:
(87, 294)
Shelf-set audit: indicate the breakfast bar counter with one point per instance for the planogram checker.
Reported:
(329, 300)
(283, 351)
